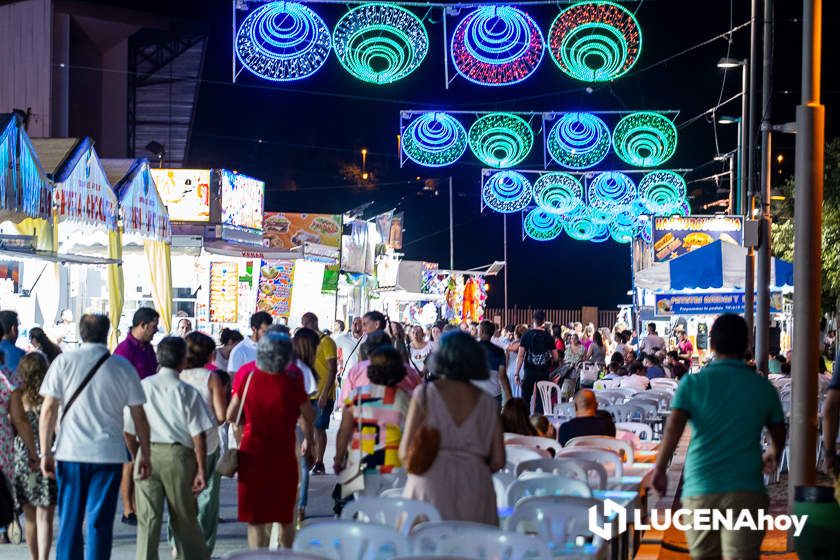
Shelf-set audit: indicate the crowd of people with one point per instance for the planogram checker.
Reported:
(161, 423)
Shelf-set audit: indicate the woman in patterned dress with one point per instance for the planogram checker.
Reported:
(36, 494)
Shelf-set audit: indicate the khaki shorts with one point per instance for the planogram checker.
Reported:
(743, 543)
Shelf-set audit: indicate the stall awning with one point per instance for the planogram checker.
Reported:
(141, 208)
(718, 265)
(47, 256)
(25, 190)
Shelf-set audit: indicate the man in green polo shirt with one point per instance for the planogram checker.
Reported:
(728, 405)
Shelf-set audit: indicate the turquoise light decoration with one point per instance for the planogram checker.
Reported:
(501, 140)
(542, 226)
(558, 193)
(507, 192)
(434, 140)
(595, 41)
(610, 189)
(663, 192)
(380, 43)
(579, 140)
(645, 139)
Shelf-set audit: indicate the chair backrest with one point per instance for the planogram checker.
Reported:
(549, 395)
(622, 447)
(596, 473)
(546, 485)
(566, 410)
(474, 540)
(401, 514)
(533, 441)
(610, 460)
(589, 373)
(664, 383)
(518, 453)
(602, 400)
(340, 539)
(650, 406)
(562, 467)
(559, 520)
(603, 384)
(500, 486)
(272, 555)
(392, 493)
(663, 396)
(642, 430)
(614, 395)
(626, 412)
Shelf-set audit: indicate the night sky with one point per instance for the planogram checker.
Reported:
(298, 136)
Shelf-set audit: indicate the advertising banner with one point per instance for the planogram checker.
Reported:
(677, 235)
(86, 196)
(395, 237)
(713, 303)
(275, 289)
(224, 292)
(285, 230)
(185, 193)
(242, 201)
(143, 211)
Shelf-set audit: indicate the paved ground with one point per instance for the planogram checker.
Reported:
(231, 535)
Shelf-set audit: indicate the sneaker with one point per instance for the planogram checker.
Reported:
(319, 469)
(130, 519)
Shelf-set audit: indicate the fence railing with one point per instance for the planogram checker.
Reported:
(606, 318)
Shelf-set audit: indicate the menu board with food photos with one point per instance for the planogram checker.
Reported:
(224, 292)
(285, 230)
(185, 193)
(678, 235)
(275, 289)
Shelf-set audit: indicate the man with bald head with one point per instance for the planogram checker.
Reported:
(588, 420)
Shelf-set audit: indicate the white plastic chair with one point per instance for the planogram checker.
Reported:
(663, 383)
(518, 453)
(562, 467)
(272, 555)
(642, 430)
(596, 473)
(626, 412)
(401, 514)
(604, 384)
(549, 393)
(565, 410)
(474, 540)
(533, 441)
(604, 442)
(610, 460)
(341, 539)
(559, 520)
(589, 373)
(392, 493)
(664, 397)
(649, 406)
(546, 485)
(613, 395)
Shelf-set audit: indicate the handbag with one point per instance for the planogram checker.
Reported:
(424, 446)
(229, 462)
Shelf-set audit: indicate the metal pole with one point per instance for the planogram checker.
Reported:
(732, 185)
(810, 147)
(451, 230)
(445, 48)
(505, 256)
(762, 321)
(743, 140)
(749, 179)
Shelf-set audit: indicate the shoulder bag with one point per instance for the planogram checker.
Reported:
(229, 462)
(84, 383)
(425, 444)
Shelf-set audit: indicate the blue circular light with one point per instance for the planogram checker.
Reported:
(507, 192)
(497, 46)
(542, 226)
(611, 188)
(283, 42)
(579, 141)
(558, 193)
(434, 140)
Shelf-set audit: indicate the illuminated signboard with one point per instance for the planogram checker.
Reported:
(242, 201)
(678, 235)
(185, 192)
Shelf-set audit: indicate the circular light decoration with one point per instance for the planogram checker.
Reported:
(624, 225)
(610, 189)
(434, 140)
(644, 229)
(501, 140)
(507, 192)
(558, 193)
(283, 42)
(579, 140)
(595, 41)
(542, 226)
(380, 43)
(497, 46)
(663, 192)
(645, 139)
(581, 227)
(602, 216)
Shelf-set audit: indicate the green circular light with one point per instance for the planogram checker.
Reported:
(501, 140)
(645, 139)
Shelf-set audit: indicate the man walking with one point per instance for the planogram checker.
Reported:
(537, 352)
(137, 348)
(723, 469)
(347, 344)
(11, 354)
(497, 385)
(325, 368)
(92, 388)
(178, 420)
(246, 351)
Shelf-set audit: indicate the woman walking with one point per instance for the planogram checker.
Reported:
(419, 349)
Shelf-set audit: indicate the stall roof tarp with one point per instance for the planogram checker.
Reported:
(719, 265)
(141, 208)
(24, 187)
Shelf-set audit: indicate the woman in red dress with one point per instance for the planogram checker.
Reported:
(268, 455)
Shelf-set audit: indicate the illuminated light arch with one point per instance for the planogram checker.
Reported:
(595, 41)
(663, 192)
(497, 46)
(434, 140)
(610, 189)
(380, 43)
(579, 140)
(283, 42)
(542, 226)
(645, 139)
(507, 192)
(624, 225)
(558, 193)
(501, 140)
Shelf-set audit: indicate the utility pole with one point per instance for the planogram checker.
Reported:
(810, 148)
(505, 257)
(762, 322)
(749, 180)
